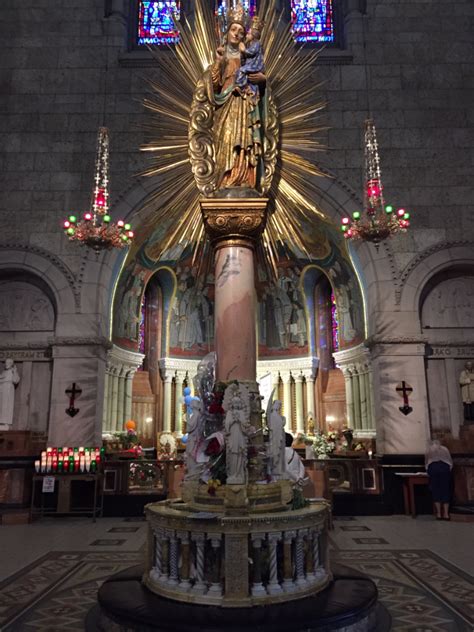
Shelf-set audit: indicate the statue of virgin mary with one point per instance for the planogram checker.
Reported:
(233, 133)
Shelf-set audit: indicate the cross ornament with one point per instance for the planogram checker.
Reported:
(72, 392)
(404, 390)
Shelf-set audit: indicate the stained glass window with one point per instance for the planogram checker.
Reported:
(155, 21)
(334, 324)
(142, 329)
(312, 20)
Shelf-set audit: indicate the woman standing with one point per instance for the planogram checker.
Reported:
(438, 463)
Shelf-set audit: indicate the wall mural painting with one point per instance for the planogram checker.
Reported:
(282, 323)
(127, 305)
(349, 305)
(191, 326)
(285, 316)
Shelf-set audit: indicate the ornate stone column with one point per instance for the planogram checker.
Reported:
(356, 367)
(120, 398)
(347, 373)
(257, 585)
(299, 403)
(167, 379)
(128, 394)
(121, 367)
(114, 394)
(288, 537)
(178, 399)
(105, 416)
(273, 587)
(234, 227)
(287, 403)
(310, 407)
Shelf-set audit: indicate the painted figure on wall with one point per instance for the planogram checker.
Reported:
(127, 309)
(282, 315)
(191, 331)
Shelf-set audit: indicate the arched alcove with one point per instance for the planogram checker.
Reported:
(27, 322)
(447, 320)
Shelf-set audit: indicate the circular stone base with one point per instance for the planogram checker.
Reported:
(349, 603)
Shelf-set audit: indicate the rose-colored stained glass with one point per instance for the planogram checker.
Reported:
(334, 324)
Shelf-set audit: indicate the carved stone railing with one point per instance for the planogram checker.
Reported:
(236, 560)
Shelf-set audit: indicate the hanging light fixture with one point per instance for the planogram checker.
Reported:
(96, 229)
(378, 221)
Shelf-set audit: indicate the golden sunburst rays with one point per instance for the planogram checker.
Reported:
(294, 193)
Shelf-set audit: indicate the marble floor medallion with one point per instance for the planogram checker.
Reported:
(422, 592)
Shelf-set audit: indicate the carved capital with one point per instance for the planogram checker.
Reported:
(230, 219)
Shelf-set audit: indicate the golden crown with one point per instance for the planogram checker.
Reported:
(257, 23)
(237, 14)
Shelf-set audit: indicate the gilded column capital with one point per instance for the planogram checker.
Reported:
(234, 221)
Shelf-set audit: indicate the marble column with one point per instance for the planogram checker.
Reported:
(128, 395)
(167, 403)
(363, 396)
(121, 399)
(114, 395)
(287, 403)
(234, 226)
(356, 398)
(349, 396)
(105, 416)
(178, 399)
(235, 303)
(273, 586)
(299, 403)
(310, 408)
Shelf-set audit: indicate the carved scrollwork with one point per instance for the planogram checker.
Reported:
(270, 145)
(202, 150)
(223, 220)
(201, 140)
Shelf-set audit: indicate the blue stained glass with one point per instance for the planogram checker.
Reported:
(155, 22)
(312, 20)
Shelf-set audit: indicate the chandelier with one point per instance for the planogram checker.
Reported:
(96, 229)
(377, 221)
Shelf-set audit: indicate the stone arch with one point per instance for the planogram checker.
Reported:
(429, 263)
(336, 199)
(51, 272)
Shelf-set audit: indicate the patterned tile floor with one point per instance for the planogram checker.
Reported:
(52, 569)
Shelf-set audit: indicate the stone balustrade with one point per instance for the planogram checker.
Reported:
(236, 560)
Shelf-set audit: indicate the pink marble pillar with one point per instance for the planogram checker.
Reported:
(235, 301)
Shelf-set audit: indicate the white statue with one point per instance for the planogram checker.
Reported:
(466, 381)
(276, 426)
(195, 438)
(237, 430)
(9, 378)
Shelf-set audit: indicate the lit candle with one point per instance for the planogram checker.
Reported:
(37, 466)
(370, 454)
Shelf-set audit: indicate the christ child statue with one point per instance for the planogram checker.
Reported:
(251, 59)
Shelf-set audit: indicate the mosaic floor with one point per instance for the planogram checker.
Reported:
(422, 591)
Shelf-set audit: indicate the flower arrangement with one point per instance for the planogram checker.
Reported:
(322, 443)
(127, 438)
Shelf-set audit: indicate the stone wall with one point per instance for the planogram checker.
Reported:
(54, 86)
